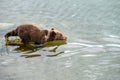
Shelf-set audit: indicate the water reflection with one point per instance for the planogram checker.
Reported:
(29, 48)
(30, 55)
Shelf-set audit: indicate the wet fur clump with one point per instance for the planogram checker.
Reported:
(31, 33)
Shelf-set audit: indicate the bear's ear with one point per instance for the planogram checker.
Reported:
(52, 29)
(52, 34)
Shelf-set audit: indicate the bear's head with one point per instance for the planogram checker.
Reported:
(54, 34)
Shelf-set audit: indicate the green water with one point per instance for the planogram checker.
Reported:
(92, 51)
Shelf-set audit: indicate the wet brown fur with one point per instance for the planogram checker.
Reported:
(31, 33)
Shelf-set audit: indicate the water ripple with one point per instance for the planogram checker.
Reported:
(112, 45)
(89, 55)
(4, 26)
(112, 39)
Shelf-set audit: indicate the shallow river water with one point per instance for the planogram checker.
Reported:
(92, 51)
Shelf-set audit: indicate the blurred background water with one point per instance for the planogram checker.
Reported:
(92, 51)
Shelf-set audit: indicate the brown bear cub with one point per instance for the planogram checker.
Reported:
(30, 33)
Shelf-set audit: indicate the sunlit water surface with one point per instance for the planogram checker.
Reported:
(92, 51)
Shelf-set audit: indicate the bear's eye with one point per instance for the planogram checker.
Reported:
(59, 36)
